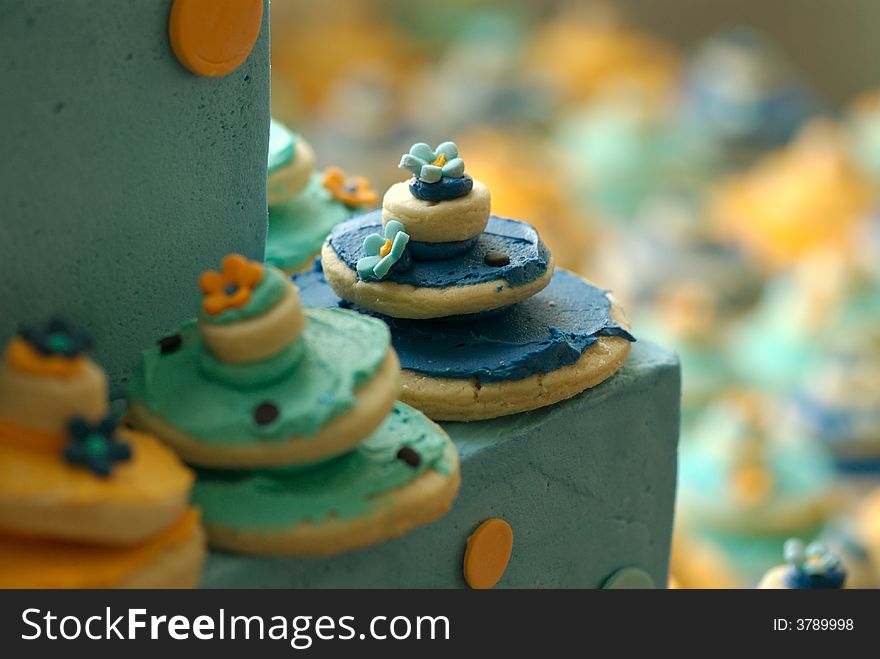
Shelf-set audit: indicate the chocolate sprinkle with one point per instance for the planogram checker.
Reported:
(169, 344)
(497, 259)
(265, 413)
(409, 456)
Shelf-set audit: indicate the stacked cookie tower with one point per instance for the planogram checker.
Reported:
(483, 322)
(290, 416)
(84, 504)
(303, 204)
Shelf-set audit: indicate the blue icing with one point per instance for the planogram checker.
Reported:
(520, 241)
(422, 251)
(444, 189)
(541, 334)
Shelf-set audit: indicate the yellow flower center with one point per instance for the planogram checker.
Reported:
(440, 160)
(385, 249)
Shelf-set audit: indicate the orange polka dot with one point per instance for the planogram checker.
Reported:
(213, 37)
(488, 551)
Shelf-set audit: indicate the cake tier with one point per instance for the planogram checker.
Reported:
(127, 174)
(527, 257)
(541, 334)
(586, 485)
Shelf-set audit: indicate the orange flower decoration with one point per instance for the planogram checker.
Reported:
(232, 287)
(353, 191)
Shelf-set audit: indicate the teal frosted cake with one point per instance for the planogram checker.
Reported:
(435, 404)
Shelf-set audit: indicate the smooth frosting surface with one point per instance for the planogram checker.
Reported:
(520, 241)
(547, 331)
(169, 171)
(282, 145)
(343, 487)
(298, 228)
(343, 350)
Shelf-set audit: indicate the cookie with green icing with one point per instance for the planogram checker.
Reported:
(402, 476)
(256, 381)
(305, 205)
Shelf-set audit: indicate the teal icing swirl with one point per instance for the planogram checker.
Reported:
(345, 487)
(267, 293)
(282, 145)
(342, 351)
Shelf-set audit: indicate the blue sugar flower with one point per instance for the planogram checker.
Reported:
(95, 447)
(429, 166)
(57, 337)
(382, 252)
(813, 565)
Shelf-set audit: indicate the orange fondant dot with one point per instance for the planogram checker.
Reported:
(488, 551)
(213, 37)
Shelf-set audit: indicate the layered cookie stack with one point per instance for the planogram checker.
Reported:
(305, 205)
(485, 326)
(290, 416)
(84, 504)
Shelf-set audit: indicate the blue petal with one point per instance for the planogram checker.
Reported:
(449, 150)
(411, 164)
(383, 266)
(793, 551)
(423, 151)
(430, 174)
(365, 267)
(454, 168)
(373, 243)
(399, 244)
(393, 228)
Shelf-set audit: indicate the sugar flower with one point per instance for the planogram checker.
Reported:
(382, 251)
(430, 165)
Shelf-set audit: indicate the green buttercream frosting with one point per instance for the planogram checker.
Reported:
(346, 487)
(267, 293)
(253, 374)
(282, 145)
(342, 351)
(298, 228)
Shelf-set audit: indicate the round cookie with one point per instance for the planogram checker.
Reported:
(569, 337)
(84, 503)
(172, 559)
(449, 220)
(472, 282)
(42, 496)
(291, 161)
(329, 382)
(404, 475)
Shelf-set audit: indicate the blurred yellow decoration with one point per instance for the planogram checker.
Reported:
(533, 191)
(586, 49)
(318, 43)
(752, 484)
(214, 37)
(796, 200)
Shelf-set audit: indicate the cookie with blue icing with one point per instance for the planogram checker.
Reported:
(470, 282)
(567, 338)
(812, 566)
(256, 381)
(404, 475)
